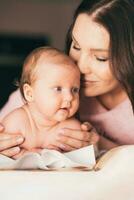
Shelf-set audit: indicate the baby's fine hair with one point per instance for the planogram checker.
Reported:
(50, 54)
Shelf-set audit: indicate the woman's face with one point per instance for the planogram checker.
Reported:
(90, 50)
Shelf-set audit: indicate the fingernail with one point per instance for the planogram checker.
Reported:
(1, 127)
(62, 131)
(86, 123)
(62, 146)
(16, 149)
(20, 140)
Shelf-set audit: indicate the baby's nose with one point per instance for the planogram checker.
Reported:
(66, 104)
(68, 96)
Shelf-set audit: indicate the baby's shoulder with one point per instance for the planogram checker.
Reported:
(71, 123)
(14, 120)
(17, 114)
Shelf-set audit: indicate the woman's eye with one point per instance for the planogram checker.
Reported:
(101, 59)
(58, 89)
(75, 46)
(75, 90)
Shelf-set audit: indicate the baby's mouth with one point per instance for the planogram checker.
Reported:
(65, 109)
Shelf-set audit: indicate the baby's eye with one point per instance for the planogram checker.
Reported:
(58, 89)
(75, 90)
(101, 59)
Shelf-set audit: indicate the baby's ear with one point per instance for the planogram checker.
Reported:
(28, 92)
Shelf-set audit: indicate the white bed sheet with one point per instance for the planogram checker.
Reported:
(115, 181)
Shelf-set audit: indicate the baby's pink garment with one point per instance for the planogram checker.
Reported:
(117, 124)
(15, 100)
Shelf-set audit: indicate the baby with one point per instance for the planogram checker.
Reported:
(49, 84)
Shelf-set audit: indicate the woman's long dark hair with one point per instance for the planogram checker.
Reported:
(117, 17)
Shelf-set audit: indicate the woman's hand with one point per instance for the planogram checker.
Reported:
(67, 139)
(9, 143)
(74, 139)
(25, 151)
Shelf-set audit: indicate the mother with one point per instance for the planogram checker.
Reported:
(101, 42)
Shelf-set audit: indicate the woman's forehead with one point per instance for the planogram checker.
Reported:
(86, 32)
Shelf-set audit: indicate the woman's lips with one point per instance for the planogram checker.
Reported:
(85, 83)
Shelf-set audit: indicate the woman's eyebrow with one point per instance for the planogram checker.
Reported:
(99, 50)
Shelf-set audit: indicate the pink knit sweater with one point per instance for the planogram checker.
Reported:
(15, 100)
(117, 123)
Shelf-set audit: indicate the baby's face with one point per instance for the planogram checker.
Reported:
(56, 91)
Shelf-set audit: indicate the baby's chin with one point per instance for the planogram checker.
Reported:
(62, 115)
(62, 118)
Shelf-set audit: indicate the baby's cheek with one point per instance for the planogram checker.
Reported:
(76, 106)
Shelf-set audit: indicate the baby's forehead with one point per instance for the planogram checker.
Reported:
(57, 67)
(57, 58)
(57, 61)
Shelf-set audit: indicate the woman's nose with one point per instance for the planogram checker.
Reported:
(83, 64)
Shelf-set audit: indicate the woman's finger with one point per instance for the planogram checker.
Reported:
(54, 147)
(86, 126)
(20, 153)
(76, 134)
(66, 148)
(72, 143)
(10, 152)
(10, 142)
(6, 136)
(1, 128)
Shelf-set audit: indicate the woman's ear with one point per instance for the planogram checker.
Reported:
(28, 92)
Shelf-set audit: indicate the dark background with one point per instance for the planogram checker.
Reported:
(13, 50)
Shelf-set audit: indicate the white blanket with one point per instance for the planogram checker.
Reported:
(49, 159)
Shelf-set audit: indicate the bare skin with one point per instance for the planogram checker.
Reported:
(62, 93)
(10, 144)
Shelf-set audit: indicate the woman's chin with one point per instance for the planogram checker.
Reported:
(88, 93)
